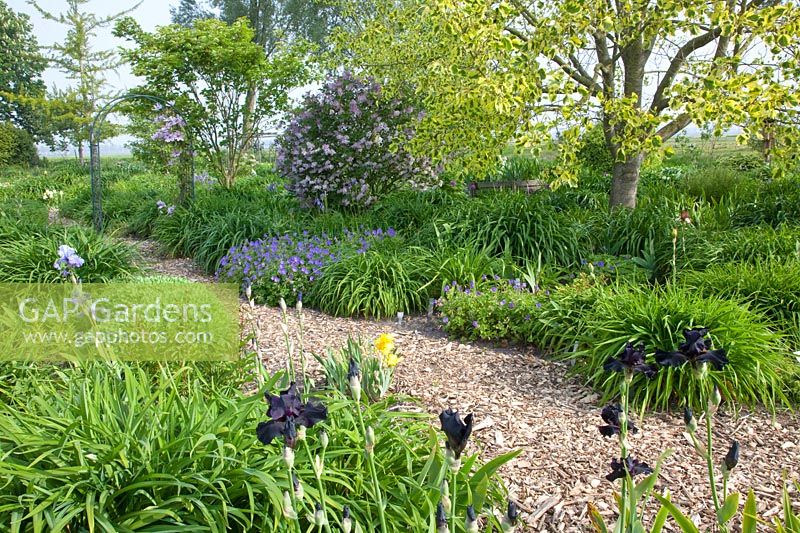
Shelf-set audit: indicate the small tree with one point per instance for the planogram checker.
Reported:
(73, 109)
(21, 67)
(491, 72)
(207, 69)
(345, 146)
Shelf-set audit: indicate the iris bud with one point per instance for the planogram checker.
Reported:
(288, 457)
(370, 440)
(301, 433)
(347, 522)
(445, 496)
(471, 523)
(323, 439)
(288, 511)
(283, 305)
(732, 457)
(689, 420)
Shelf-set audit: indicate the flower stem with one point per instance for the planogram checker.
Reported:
(623, 436)
(296, 520)
(710, 460)
(454, 493)
(320, 487)
(373, 472)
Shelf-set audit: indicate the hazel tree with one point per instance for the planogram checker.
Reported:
(518, 70)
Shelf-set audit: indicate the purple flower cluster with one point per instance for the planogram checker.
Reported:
(170, 129)
(290, 262)
(347, 146)
(68, 260)
(204, 179)
(163, 207)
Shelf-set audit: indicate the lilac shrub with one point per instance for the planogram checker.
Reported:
(346, 146)
(285, 266)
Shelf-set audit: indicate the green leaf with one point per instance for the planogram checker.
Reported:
(728, 509)
(749, 516)
(597, 520)
(687, 526)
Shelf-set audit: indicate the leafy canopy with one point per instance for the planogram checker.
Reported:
(491, 72)
(21, 67)
(208, 70)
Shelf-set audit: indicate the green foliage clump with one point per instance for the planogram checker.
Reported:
(520, 168)
(168, 448)
(594, 153)
(28, 251)
(775, 203)
(714, 182)
(657, 317)
(771, 287)
(378, 283)
(17, 146)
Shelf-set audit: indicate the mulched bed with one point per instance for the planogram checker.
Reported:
(523, 401)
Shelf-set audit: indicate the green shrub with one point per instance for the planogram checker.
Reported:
(713, 183)
(17, 146)
(27, 254)
(520, 226)
(770, 287)
(594, 153)
(628, 231)
(460, 265)
(656, 317)
(500, 310)
(111, 447)
(775, 203)
(378, 283)
(520, 168)
(697, 250)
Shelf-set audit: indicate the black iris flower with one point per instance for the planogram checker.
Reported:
(632, 466)
(441, 517)
(696, 350)
(732, 457)
(610, 415)
(630, 360)
(288, 411)
(456, 430)
(512, 512)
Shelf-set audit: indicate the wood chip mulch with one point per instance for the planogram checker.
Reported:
(523, 401)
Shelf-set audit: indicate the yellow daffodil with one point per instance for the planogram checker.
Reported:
(385, 344)
(391, 359)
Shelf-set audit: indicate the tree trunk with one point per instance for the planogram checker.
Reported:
(81, 156)
(625, 182)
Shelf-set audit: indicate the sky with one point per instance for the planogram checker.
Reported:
(149, 14)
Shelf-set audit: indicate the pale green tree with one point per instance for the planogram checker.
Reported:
(84, 66)
(526, 70)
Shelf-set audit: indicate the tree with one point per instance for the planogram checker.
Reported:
(207, 70)
(21, 67)
(274, 23)
(490, 72)
(86, 67)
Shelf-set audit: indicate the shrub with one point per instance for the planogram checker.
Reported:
(697, 250)
(656, 317)
(27, 255)
(470, 264)
(594, 153)
(775, 203)
(770, 287)
(16, 146)
(520, 168)
(713, 183)
(346, 146)
(519, 225)
(378, 283)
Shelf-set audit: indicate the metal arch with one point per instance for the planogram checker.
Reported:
(186, 186)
